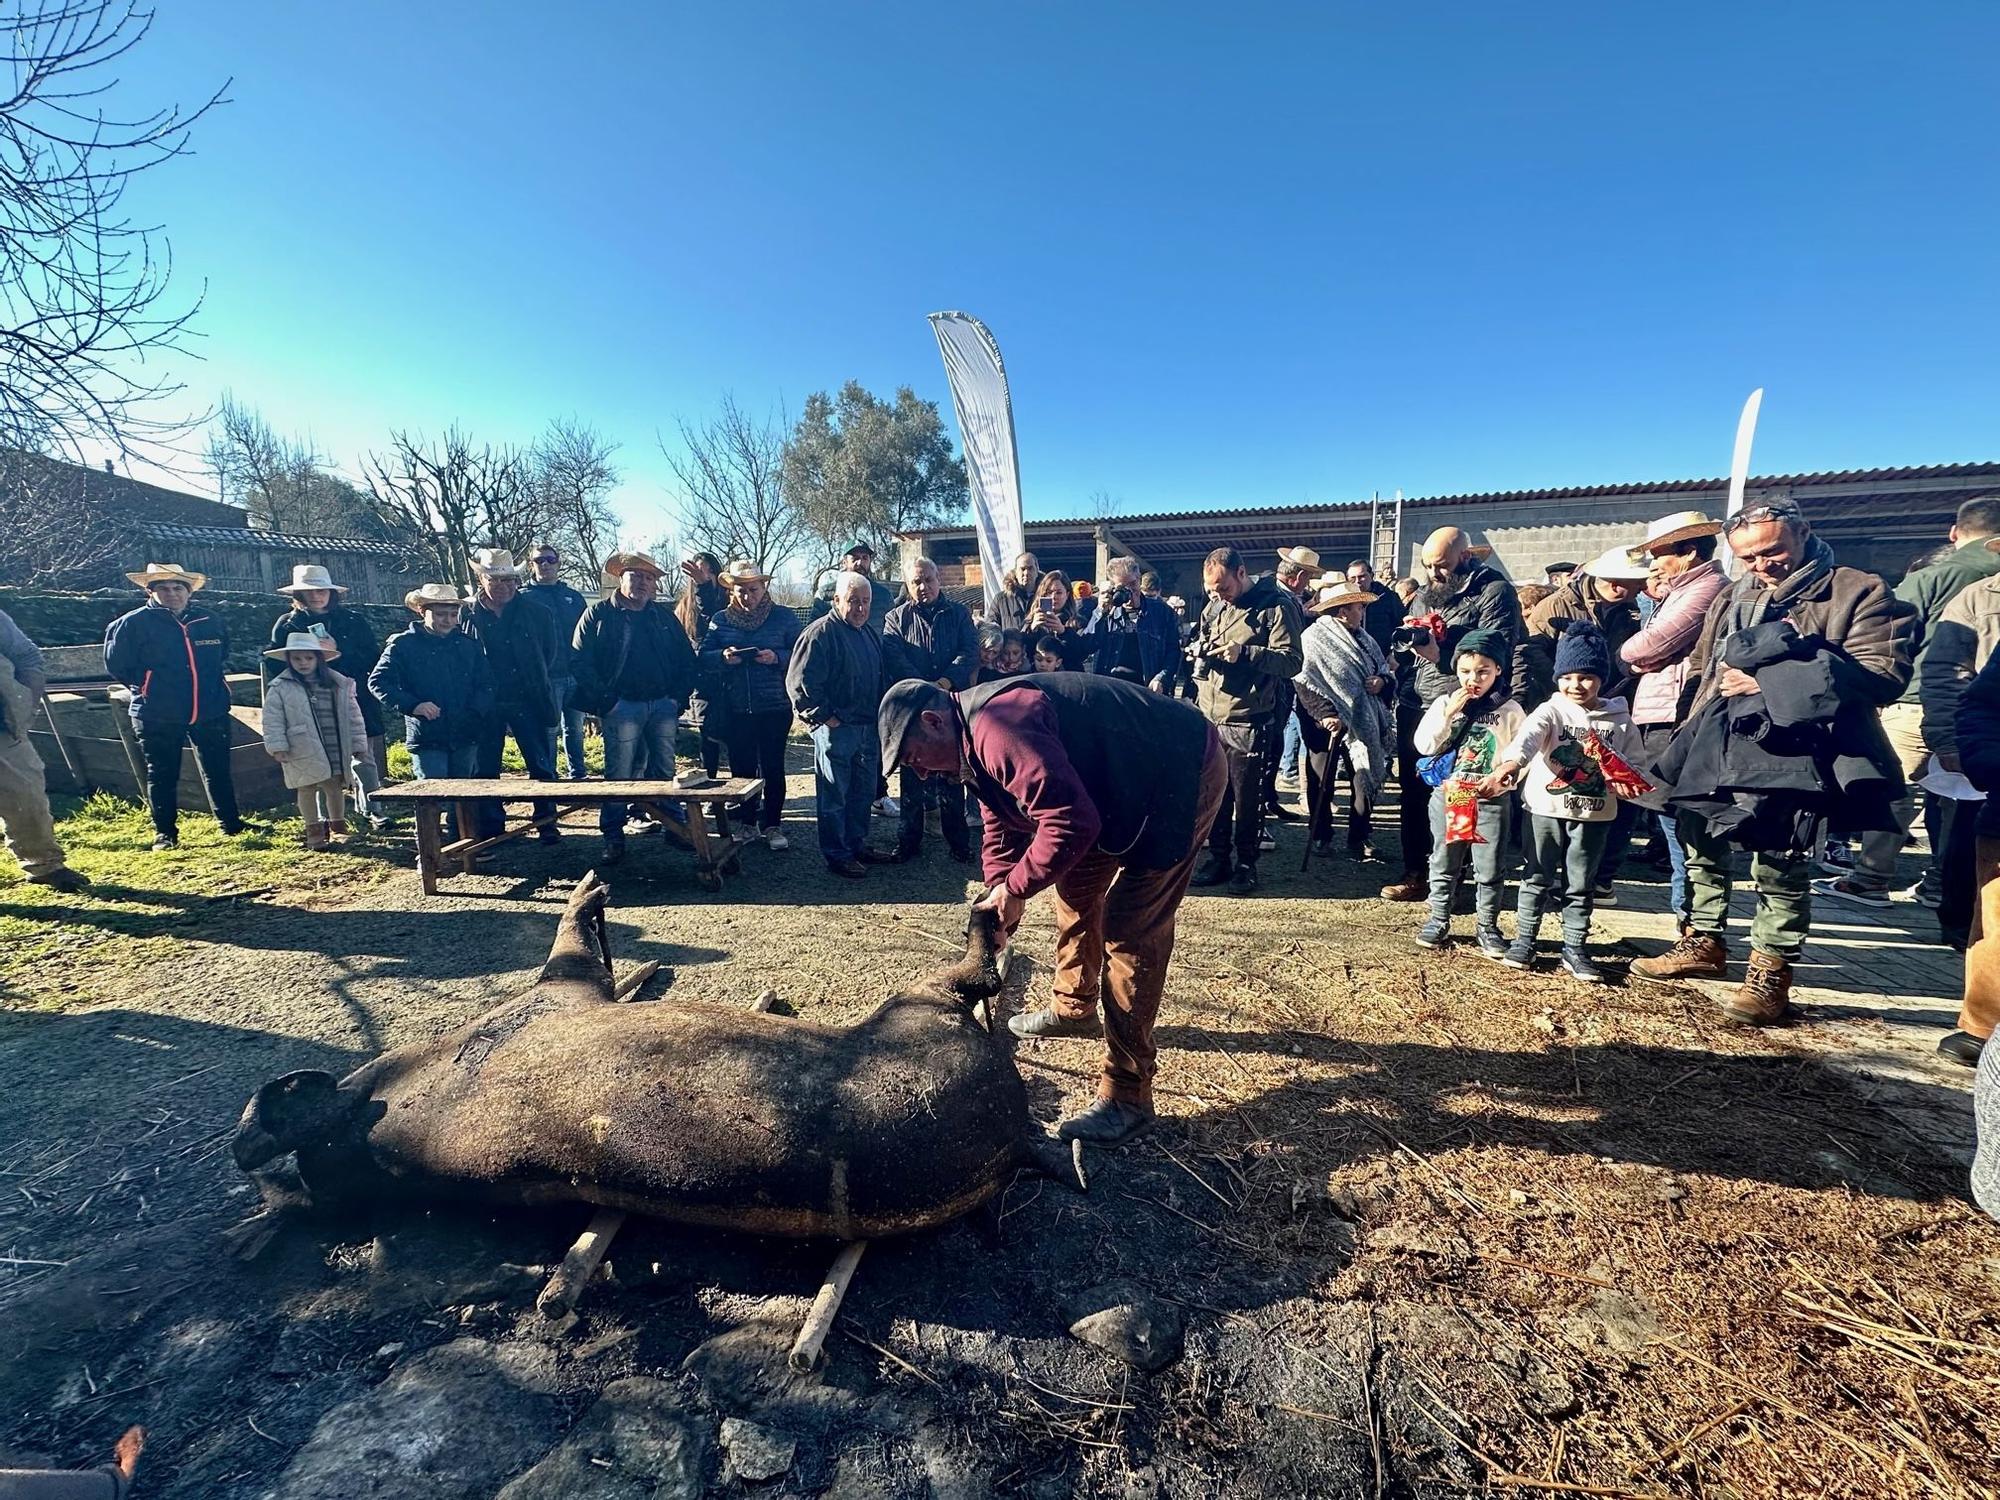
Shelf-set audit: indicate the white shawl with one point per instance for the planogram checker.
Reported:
(1338, 664)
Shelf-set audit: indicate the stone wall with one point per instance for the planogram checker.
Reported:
(54, 619)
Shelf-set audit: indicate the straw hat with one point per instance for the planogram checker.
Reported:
(1681, 526)
(1619, 565)
(311, 576)
(168, 573)
(422, 599)
(618, 564)
(742, 570)
(495, 562)
(306, 640)
(1299, 557)
(1333, 597)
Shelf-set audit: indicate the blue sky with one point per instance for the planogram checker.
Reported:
(1241, 254)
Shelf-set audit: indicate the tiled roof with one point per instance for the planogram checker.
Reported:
(1971, 471)
(276, 541)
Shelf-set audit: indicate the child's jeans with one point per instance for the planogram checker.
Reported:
(321, 801)
(1561, 857)
(442, 761)
(1448, 861)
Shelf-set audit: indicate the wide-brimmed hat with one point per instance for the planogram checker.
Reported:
(1299, 557)
(1333, 598)
(1619, 565)
(1681, 526)
(421, 599)
(307, 640)
(742, 570)
(495, 562)
(618, 564)
(168, 573)
(311, 576)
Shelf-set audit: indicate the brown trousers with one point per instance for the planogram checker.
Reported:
(1114, 935)
(1979, 1012)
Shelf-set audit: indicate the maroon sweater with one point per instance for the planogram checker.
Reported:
(1046, 820)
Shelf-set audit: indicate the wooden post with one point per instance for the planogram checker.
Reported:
(558, 1299)
(429, 840)
(812, 1337)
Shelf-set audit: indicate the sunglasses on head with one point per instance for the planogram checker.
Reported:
(1756, 515)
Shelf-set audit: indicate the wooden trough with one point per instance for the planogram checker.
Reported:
(87, 743)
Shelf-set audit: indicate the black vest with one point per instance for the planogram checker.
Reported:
(1138, 753)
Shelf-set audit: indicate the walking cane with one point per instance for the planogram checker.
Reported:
(1317, 805)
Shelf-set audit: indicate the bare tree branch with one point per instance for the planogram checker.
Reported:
(449, 498)
(571, 473)
(733, 501)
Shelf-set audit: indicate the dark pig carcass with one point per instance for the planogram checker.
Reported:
(698, 1113)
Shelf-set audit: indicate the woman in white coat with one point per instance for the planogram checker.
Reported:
(313, 728)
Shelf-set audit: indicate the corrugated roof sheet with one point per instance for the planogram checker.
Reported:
(275, 541)
(1574, 492)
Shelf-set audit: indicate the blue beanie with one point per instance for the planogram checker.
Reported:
(1583, 649)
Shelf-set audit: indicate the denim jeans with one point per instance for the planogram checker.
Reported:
(532, 740)
(1288, 757)
(631, 725)
(436, 761)
(1448, 861)
(846, 763)
(568, 729)
(1563, 857)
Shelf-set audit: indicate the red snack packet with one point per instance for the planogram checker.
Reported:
(1461, 813)
(1617, 770)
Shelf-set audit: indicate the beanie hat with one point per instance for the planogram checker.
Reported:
(1583, 649)
(1490, 644)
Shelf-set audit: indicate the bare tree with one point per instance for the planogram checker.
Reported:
(82, 286)
(571, 474)
(449, 498)
(283, 483)
(733, 502)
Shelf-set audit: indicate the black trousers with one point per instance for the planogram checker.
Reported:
(757, 748)
(162, 751)
(1323, 758)
(1233, 834)
(1413, 799)
(537, 755)
(1272, 746)
(910, 796)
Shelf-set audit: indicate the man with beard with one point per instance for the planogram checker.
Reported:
(1467, 594)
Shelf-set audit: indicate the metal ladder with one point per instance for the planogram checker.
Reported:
(1385, 535)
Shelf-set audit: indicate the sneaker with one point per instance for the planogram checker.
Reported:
(1576, 963)
(548, 834)
(640, 826)
(888, 807)
(1244, 881)
(1433, 933)
(1521, 955)
(1962, 1047)
(1847, 888)
(1265, 843)
(1698, 955)
(1215, 872)
(774, 838)
(1288, 781)
(164, 842)
(1323, 849)
(1409, 888)
(1925, 894)
(961, 853)
(1363, 852)
(1492, 944)
(61, 878)
(1835, 858)
(1765, 996)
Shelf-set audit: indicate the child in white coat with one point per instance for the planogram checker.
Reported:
(313, 728)
(1576, 751)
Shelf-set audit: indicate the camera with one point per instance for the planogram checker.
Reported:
(1119, 598)
(1409, 637)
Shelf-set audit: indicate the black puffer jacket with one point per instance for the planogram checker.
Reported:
(359, 651)
(449, 670)
(1487, 602)
(520, 647)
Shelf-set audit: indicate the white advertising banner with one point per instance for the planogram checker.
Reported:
(986, 429)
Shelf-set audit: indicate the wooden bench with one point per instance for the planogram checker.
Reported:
(715, 850)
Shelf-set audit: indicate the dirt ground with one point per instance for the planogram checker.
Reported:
(1430, 1227)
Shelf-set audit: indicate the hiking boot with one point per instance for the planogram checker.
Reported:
(1962, 1047)
(1698, 955)
(1765, 996)
(1492, 944)
(1433, 933)
(1521, 955)
(61, 878)
(1108, 1122)
(1576, 963)
(1215, 872)
(1853, 890)
(1244, 881)
(1049, 1022)
(1409, 888)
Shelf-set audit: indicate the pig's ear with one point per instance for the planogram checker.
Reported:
(300, 1109)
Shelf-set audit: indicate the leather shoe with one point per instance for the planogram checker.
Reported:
(881, 856)
(1409, 888)
(1215, 872)
(1108, 1122)
(851, 869)
(1048, 1022)
(61, 878)
(1962, 1047)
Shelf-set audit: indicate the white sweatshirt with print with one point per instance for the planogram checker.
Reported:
(1560, 778)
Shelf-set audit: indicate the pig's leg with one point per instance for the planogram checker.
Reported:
(582, 949)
